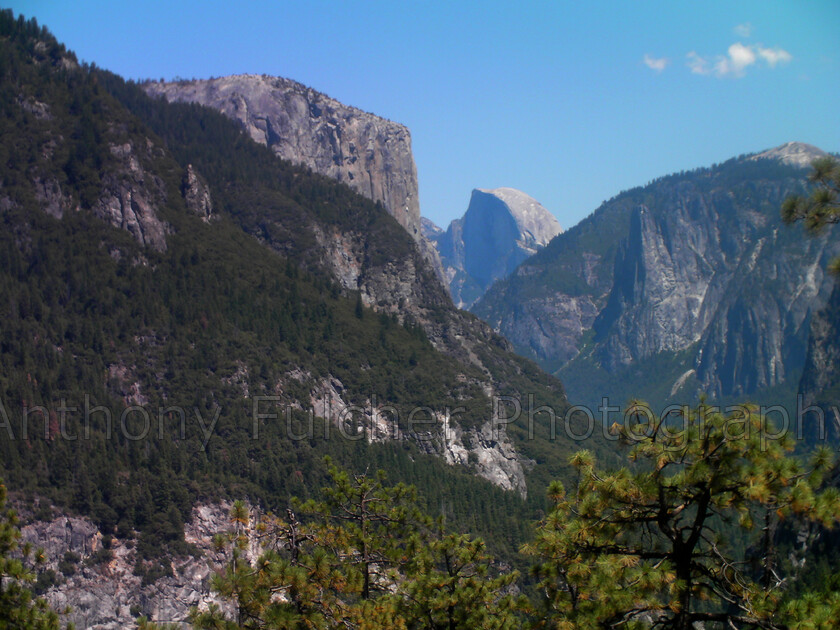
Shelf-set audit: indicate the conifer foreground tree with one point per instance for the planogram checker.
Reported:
(652, 545)
(363, 557)
(822, 207)
(19, 608)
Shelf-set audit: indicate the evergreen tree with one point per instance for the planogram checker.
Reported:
(371, 520)
(19, 608)
(364, 557)
(822, 207)
(448, 587)
(650, 545)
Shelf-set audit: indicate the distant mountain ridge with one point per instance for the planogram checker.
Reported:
(688, 284)
(797, 154)
(501, 228)
(155, 257)
(369, 153)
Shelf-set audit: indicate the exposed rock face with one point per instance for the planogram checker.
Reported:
(489, 451)
(793, 153)
(48, 194)
(698, 263)
(486, 449)
(501, 228)
(107, 595)
(822, 368)
(680, 280)
(370, 154)
(197, 194)
(820, 384)
(429, 229)
(130, 197)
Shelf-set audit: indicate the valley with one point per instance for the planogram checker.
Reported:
(244, 383)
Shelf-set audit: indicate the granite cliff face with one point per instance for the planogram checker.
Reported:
(820, 384)
(131, 196)
(695, 270)
(370, 154)
(161, 192)
(501, 228)
(103, 589)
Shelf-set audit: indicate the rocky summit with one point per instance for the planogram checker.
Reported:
(501, 228)
(689, 284)
(370, 154)
(797, 154)
(169, 260)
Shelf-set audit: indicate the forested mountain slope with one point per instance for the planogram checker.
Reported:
(154, 256)
(689, 284)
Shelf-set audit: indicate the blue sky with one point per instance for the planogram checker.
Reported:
(571, 102)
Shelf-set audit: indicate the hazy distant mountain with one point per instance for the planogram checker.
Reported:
(689, 284)
(429, 229)
(820, 384)
(500, 229)
(153, 257)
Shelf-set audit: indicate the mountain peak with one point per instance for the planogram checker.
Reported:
(500, 229)
(530, 215)
(369, 153)
(793, 153)
(429, 229)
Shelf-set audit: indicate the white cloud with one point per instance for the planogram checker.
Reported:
(743, 30)
(698, 64)
(654, 63)
(738, 58)
(774, 56)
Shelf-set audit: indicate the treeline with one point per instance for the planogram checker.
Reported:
(650, 545)
(92, 316)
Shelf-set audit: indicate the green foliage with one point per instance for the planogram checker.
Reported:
(363, 556)
(19, 609)
(237, 304)
(374, 520)
(648, 544)
(822, 206)
(449, 585)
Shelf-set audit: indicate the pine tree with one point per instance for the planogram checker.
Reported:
(822, 207)
(449, 587)
(648, 545)
(19, 608)
(371, 520)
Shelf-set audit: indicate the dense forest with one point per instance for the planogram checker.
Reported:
(100, 325)
(229, 306)
(649, 545)
(88, 305)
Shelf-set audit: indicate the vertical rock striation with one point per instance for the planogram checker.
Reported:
(368, 153)
(820, 384)
(501, 228)
(694, 271)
